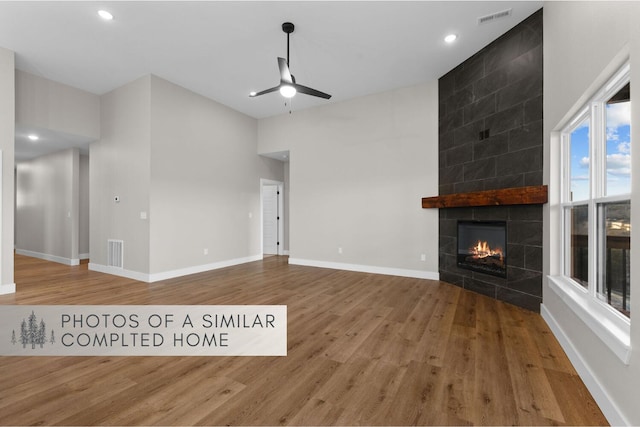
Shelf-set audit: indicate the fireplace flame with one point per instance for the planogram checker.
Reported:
(483, 250)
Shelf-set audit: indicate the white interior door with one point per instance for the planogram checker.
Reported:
(270, 219)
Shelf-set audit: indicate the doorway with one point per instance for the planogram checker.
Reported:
(272, 219)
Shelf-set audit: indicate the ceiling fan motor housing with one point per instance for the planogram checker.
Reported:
(288, 27)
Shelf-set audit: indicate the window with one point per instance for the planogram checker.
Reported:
(596, 196)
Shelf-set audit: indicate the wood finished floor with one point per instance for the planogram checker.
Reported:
(363, 349)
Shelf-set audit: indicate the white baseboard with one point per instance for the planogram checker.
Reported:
(389, 271)
(202, 268)
(600, 395)
(9, 288)
(129, 274)
(84, 256)
(48, 257)
(155, 277)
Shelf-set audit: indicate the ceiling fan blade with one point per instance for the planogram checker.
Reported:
(308, 91)
(285, 75)
(273, 89)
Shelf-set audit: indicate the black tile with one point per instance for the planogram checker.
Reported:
(526, 281)
(452, 278)
(480, 169)
(490, 213)
(503, 50)
(445, 140)
(460, 99)
(507, 181)
(515, 255)
(533, 258)
(468, 133)
(466, 187)
(526, 66)
(480, 109)
(529, 160)
(519, 299)
(527, 136)
(446, 85)
(531, 31)
(459, 155)
(491, 83)
(451, 175)
(525, 232)
(450, 122)
(480, 287)
(449, 228)
(533, 110)
(518, 92)
(491, 146)
(444, 189)
(471, 71)
(525, 213)
(448, 245)
(533, 178)
(508, 119)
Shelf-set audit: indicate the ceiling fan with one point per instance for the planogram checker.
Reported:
(288, 86)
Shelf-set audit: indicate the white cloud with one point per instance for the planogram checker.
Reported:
(618, 114)
(624, 147)
(619, 164)
(584, 162)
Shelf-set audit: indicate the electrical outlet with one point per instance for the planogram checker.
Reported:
(206, 251)
(423, 257)
(340, 249)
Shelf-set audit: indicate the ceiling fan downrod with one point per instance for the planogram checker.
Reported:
(288, 28)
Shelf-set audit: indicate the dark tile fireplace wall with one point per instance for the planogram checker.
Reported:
(490, 137)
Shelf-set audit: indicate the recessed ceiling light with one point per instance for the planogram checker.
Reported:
(33, 137)
(105, 15)
(451, 38)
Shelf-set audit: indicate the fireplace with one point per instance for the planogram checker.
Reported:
(482, 247)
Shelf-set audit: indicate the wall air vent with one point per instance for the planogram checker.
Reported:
(115, 253)
(494, 16)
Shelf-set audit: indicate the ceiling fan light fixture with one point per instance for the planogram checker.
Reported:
(287, 91)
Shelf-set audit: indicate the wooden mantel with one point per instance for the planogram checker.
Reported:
(534, 195)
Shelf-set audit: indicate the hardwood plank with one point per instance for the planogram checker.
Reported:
(363, 349)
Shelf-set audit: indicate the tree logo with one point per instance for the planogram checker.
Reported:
(32, 332)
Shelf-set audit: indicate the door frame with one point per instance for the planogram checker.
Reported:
(281, 212)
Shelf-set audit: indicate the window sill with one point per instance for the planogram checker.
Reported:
(608, 325)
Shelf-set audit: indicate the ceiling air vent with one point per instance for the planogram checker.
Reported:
(494, 16)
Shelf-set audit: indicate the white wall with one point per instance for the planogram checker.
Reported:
(120, 165)
(51, 105)
(7, 131)
(358, 171)
(47, 207)
(83, 190)
(205, 182)
(584, 43)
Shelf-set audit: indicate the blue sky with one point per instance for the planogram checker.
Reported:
(618, 148)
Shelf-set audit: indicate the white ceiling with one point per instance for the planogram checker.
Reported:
(223, 50)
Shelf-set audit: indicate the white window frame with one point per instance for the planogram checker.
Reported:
(611, 326)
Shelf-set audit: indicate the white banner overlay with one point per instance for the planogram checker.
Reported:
(143, 330)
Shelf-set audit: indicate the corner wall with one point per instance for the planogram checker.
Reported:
(47, 210)
(205, 183)
(120, 165)
(585, 42)
(358, 172)
(7, 142)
